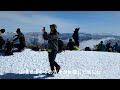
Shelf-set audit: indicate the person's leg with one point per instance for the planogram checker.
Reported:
(77, 43)
(54, 56)
(55, 63)
(50, 55)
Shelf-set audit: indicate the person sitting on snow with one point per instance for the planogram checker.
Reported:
(70, 45)
(101, 46)
(21, 38)
(9, 48)
(108, 46)
(116, 47)
(2, 41)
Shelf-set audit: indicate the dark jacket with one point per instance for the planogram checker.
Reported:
(53, 41)
(2, 42)
(76, 36)
(101, 47)
(45, 36)
(116, 47)
(21, 38)
(70, 45)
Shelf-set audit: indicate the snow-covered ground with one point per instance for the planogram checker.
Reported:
(74, 65)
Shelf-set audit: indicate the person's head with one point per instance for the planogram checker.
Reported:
(44, 28)
(18, 30)
(101, 42)
(2, 30)
(70, 40)
(53, 28)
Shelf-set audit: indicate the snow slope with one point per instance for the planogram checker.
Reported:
(74, 65)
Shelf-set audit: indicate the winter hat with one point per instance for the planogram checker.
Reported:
(18, 30)
(2, 30)
(53, 25)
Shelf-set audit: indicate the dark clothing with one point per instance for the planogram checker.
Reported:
(87, 49)
(76, 38)
(60, 45)
(101, 47)
(52, 56)
(70, 45)
(8, 48)
(53, 41)
(20, 47)
(108, 47)
(77, 43)
(2, 42)
(53, 45)
(45, 36)
(21, 38)
(116, 47)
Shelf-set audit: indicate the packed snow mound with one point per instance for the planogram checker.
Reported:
(74, 65)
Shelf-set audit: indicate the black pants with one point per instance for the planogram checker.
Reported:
(19, 46)
(52, 56)
(77, 43)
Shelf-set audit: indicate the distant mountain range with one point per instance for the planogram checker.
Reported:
(36, 37)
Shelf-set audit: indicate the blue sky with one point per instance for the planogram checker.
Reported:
(67, 21)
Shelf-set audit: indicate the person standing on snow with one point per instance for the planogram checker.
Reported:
(108, 46)
(53, 48)
(76, 36)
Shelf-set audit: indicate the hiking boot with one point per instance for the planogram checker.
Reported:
(58, 69)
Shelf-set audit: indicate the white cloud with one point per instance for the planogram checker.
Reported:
(36, 21)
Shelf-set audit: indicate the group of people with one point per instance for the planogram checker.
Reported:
(73, 43)
(108, 47)
(54, 44)
(105, 47)
(9, 45)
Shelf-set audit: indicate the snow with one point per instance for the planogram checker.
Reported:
(74, 65)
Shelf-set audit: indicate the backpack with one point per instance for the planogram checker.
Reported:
(60, 46)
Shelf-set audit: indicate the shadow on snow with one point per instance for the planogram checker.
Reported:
(25, 76)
